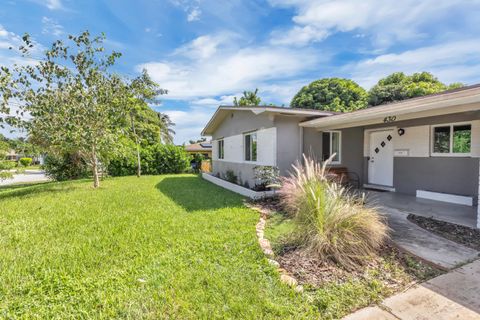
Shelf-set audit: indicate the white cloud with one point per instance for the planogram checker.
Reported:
(51, 27)
(457, 61)
(189, 124)
(202, 47)
(298, 36)
(194, 15)
(52, 4)
(385, 21)
(229, 71)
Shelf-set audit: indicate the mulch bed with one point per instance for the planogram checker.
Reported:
(311, 271)
(469, 237)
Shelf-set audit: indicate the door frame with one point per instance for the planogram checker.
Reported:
(367, 146)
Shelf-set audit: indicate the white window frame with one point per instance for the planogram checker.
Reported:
(222, 141)
(451, 153)
(339, 161)
(245, 134)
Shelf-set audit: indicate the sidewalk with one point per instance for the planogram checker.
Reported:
(455, 295)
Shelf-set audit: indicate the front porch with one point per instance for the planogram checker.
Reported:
(444, 211)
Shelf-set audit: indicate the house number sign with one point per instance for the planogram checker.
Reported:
(389, 119)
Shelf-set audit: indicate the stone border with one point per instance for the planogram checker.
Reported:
(267, 249)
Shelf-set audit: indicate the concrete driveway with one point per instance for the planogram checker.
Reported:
(28, 176)
(455, 295)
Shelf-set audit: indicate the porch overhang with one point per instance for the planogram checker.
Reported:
(449, 102)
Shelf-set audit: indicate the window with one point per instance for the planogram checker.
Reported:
(221, 147)
(331, 143)
(452, 139)
(250, 146)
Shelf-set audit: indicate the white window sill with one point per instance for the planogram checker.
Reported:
(452, 155)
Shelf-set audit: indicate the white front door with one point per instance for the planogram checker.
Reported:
(380, 163)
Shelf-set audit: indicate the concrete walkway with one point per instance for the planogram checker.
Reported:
(442, 252)
(28, 176)
(455, 295)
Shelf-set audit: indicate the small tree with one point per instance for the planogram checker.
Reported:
(331, 94)
(5, 165)
(249, 98)
(74, 101)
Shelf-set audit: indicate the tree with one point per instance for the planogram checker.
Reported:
(143, 121)
(203, 139)
(166, 130)
(331, 94)
(74, 101)
(399, 86)
(5, 165)
(249, 98)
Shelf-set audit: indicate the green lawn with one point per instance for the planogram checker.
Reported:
(154, 247)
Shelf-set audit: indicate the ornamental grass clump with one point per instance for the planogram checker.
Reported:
(331, 223)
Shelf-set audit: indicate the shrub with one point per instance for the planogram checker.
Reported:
(155, 159)
(266, 177)
(230, 176)
(330, 222)
(25, 161)
(5, 167)
(66, 167)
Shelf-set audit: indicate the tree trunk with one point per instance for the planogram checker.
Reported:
(96, 178)
(139, 164)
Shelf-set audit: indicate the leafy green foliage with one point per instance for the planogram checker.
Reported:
(155, 159)
(138, 248)
(249, 98)
(266, 177)
(230, 176)
(331, 94)
(25, 162)
(76, 103)
(66, 167)
(399, 86)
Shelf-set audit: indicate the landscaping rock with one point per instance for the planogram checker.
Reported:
(274, 263)
(292, 282)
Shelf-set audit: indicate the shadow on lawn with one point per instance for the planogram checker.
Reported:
(193, 193)
(31, 189)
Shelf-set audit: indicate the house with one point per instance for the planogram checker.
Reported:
(245, 137)
(204, 148)
(426, 147)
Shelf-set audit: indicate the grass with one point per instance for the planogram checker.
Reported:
(153, 247)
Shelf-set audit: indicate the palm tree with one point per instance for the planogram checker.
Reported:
(166, 131)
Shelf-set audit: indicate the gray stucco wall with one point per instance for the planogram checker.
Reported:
(312, 143)
(352, 149)
(288, 142)
(438, 174)
(238, 122)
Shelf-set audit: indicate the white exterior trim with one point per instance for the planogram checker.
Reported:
(339, 161)
(450, 153)
(236, 188)
(445, 197)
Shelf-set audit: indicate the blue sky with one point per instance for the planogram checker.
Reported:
(205, 52)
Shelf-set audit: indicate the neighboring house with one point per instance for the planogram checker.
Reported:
(427, 147)
(12, 155)
(204, 148)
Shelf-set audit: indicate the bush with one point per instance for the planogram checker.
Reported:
(155, 159)
(5, 167)
(25, 161)
(267, 177)
(66, 167)
(330, 223)
(230, 176)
